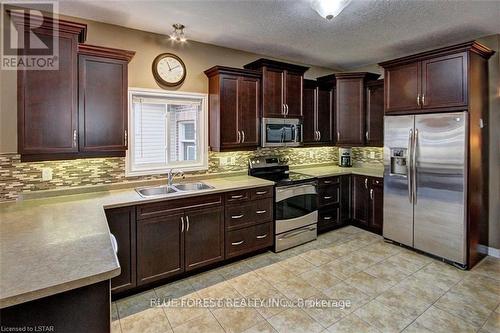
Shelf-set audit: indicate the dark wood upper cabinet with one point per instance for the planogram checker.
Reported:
(402, 87)
(317, 112)
(309, 132)
(444, 81)
(160, 247)
(102, 94)
(47, 99)
(282, 86)
(204, 237)
(122, 225)
(432, 81)
(374, 135)
(350, 115)
(233, 108)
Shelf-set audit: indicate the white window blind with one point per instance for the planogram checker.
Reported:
(168, 132)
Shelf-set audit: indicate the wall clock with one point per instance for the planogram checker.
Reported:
(169, 70)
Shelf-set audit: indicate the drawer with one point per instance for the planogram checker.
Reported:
(249, 213)
(328, 218)
(261, 192)
(237, 196)
(249, 239)
(328, 181)
(329, 194)
(167, 207)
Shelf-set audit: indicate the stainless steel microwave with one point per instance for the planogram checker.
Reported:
(281, 132)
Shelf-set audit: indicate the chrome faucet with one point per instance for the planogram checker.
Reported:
(171, 174)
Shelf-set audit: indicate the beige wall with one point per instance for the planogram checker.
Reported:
(197, 57)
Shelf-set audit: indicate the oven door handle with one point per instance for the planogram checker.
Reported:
(287, 187)
(296, 232)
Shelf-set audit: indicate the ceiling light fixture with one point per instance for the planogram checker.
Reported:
(178, 33)
(329, 8)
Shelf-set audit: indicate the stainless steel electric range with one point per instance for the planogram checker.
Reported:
(295, 201)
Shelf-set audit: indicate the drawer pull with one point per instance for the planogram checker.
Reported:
(235, 217)
(327, 198)
(261, 211)
(237, 196)
(327, 217)
(238, 243)
(327, 182)
(261, 192)
(261, 236)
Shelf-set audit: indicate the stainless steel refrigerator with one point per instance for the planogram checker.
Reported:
(425, 183)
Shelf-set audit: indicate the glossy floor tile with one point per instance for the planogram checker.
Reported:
(368, 286)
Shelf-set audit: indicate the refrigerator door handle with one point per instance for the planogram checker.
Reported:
(414, 167)
(409, 173)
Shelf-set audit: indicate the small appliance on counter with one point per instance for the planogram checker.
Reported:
(345, 159)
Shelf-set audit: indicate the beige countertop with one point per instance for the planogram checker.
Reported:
(334, 170)
(55, 244)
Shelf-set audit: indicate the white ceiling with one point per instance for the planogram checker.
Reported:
(366, 32)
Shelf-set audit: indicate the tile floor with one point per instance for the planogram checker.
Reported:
(390, 289)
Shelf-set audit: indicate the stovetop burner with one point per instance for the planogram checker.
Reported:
(275, 169)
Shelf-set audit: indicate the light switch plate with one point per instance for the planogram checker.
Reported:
(46, 174)
(372, 154)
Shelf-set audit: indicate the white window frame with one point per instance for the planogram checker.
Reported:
(202, 132)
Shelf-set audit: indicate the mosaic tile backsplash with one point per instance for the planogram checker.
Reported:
(17, 177)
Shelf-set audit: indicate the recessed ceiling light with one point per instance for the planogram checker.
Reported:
(329, 8)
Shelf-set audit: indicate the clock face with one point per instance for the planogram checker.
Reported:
(169, 70)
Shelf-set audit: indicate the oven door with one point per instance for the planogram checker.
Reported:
(296, 206)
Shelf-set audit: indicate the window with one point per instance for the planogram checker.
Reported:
(168, 131)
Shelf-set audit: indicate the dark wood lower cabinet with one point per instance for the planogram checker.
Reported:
(204, 237)
(334, 202)
(367, 202)
(160, 248)
(121, 223)
(81, 310)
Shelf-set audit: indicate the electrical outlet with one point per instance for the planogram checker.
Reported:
(372, 154)
(46, 174)
(311, 155)
(231, 160)
(223, 161)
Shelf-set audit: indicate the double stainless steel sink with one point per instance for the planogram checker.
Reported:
(155, 191)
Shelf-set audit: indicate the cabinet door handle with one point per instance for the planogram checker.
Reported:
(261, 211)
(371, 193)
(338, 136)
(74, 138)
(238, 137)
(261, 192)
(366, 183)
(126, 138)
(237, 196)
(235, 217)
(283, 109)
(286, 109)
(418, 99)
(261, 236)
(327, 218)
(319, 135)
(242, 136)
(182, 224)
(366, 135)
(423, 99)
(238, 243)
(187, 221)
(327, 198)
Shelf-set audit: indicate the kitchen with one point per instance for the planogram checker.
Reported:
(163, 167)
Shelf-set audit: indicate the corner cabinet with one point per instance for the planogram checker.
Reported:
(102, 99)
(282, 85)
(433, 81)
(78, 110)
(374, 135)
(350, 117)
(47, 99)
(233, 108)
